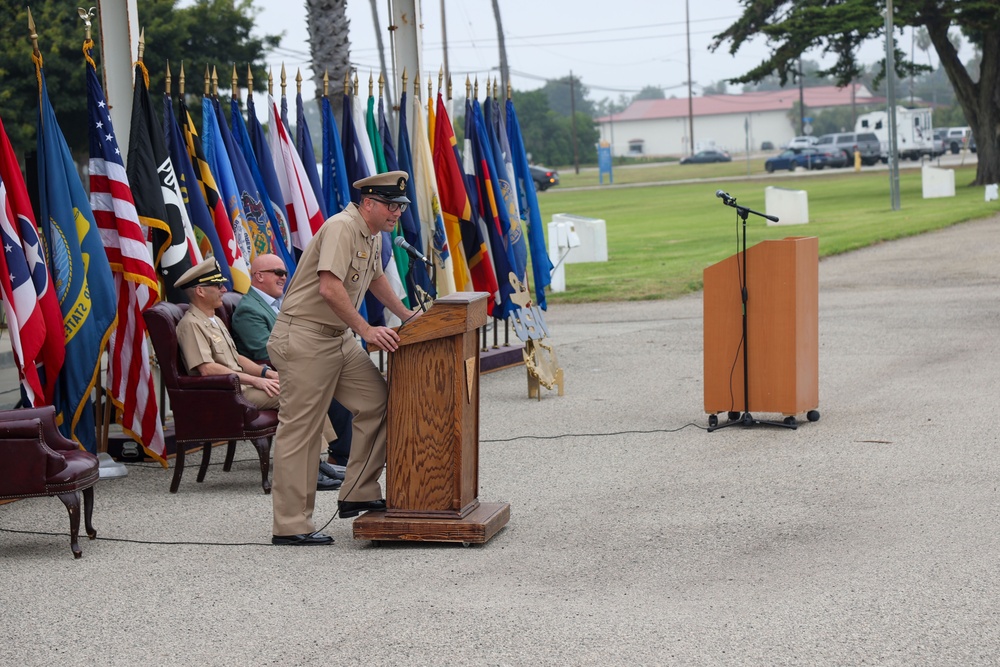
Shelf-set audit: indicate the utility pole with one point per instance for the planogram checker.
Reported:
(890, 84)
(572, 112)
(687, 23)
(802, 104)
(444, 43)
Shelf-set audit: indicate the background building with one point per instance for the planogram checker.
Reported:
(660, 127)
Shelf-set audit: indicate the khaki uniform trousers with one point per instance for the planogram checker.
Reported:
(315, 368)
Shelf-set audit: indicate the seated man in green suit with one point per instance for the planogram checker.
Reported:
(252, 322)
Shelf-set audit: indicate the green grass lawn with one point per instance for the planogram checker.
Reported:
(661, 237)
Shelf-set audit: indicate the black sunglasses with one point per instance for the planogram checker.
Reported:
(281, 273)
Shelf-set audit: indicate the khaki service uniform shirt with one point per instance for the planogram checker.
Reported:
(345, 247)
(203, 339)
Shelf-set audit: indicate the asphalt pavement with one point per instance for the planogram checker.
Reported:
(636, 537)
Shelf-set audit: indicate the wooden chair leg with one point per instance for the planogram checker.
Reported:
(178, 467)
(263, 446)
(230, 454)
(88, 512)
(72, 502)
(206, 457)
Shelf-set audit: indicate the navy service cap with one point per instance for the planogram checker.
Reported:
(390, 186)
(206, 272)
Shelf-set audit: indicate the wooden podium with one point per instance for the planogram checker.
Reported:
(432, 436)
(782, 329)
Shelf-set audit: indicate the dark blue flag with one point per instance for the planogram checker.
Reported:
(503, 185)
(336, 190)
(541, 265)
(81, 273)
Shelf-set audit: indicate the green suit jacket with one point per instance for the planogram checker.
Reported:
(252, 322)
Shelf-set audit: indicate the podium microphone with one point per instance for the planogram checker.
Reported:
(400, 242)
(725, 197)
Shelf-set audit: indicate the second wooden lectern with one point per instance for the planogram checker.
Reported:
(432, 435)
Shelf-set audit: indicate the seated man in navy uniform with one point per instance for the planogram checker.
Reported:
(208, 349)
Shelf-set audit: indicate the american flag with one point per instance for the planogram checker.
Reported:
(129, 377)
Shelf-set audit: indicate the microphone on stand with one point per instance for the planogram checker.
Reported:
(725, 197)
(400, 242)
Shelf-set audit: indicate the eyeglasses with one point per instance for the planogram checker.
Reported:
(281, 273)
(392, 206)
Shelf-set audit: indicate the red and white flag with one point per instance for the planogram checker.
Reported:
(33, 316)
(129, 378)
(304, 215)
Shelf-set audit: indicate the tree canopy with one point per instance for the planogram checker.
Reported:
(840, 27)
(207, 32)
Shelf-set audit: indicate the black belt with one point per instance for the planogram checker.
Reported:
(324, 329)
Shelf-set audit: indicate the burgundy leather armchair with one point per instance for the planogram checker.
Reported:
(37, 460)
(206, 409)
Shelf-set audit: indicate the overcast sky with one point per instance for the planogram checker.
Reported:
(615, 47)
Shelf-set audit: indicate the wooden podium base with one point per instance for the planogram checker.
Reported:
(477, 528)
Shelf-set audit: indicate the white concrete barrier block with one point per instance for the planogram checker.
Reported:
(937, 182)
(991, 192)
(790, 206)
(592, 237)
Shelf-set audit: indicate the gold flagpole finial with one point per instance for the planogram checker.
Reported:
(356, 83)
(326, 82)
(236, 85)
(33, 35)
(416, 85)
(284, 80)
(430, 86)
(440, 77)
(508, 89)
(404, 79)
(167, 80)
(495, 89)
(381, 84)
(371, 84)
(249, 81)
(208, 81)
(142, 43)
(85, 16)
(180, 81)
(475, 88)
(298, 81)
(449, 86)
(215, 82)
(270, 82)
(468, 87)
(347, 82)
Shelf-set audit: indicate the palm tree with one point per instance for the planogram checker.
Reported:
(329, 44)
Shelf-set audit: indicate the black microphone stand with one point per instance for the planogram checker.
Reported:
(745, 419)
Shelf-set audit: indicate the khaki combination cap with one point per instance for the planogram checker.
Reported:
(206, 272)
(390, 186)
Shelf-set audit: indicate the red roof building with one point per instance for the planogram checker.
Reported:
(661, 127)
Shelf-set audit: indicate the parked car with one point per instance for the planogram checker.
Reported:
(767, 146)
(802, 142)
(543, 177)
(703, 157)
(957, 138)
(972, 142)
(846, 142)
(806, 158)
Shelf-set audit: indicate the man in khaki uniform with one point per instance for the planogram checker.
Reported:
(206, 345)
(319, 362)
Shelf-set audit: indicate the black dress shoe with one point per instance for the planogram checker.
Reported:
(304, 540)
(333, 471)
(350, 509)
(324, 483)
